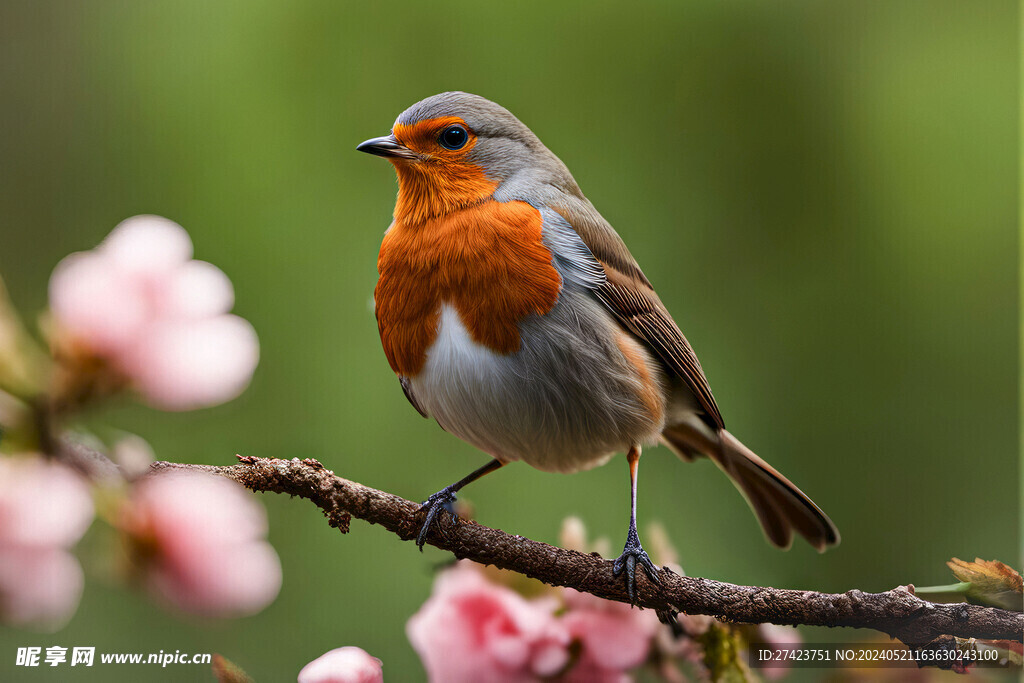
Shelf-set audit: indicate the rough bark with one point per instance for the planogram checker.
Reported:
(897, 612)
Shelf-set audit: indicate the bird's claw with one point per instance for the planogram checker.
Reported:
(631, 555)
(442, 500)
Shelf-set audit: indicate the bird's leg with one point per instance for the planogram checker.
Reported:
(634, 552)
(443, 499)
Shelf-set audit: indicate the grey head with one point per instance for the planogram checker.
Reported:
(502, 146)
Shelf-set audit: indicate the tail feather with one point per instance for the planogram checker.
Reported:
(780, 506)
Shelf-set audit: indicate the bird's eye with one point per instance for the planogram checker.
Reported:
(453, 137)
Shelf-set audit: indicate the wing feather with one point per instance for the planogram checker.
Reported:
(407, 390)
(631, 298)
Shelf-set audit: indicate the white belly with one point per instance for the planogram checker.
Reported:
(567, 400)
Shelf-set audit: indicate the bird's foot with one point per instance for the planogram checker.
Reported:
(632, 555)
(442, 500)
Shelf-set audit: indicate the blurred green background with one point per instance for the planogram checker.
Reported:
(824, 193)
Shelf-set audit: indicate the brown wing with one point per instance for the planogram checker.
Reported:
(630, 296)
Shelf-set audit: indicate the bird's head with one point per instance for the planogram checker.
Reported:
(455, 150)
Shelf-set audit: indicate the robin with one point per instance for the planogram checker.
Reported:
(515, 316)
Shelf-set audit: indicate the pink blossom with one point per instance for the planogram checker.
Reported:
(148, 245)
(42, 503)
(200, 544)
(92, 307)
(343, 665)
(45, 508)
(139, 303)
(614, 636)
(39, 586)
(189, 363)
(471, 630)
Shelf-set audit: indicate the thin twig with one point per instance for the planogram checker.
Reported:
(898, 612)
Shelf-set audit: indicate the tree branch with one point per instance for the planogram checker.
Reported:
(898, 612)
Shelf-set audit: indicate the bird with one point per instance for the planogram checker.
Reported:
(514, 315)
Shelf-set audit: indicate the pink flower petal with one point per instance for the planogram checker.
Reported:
(42, 504)
(198, 290)
(509, 649)
(39, 586)
(343, 665)
(615, 636)
(206, 552)
(234, 581)
(183, 365)
(183, 504)
(609, 640)
(473, 630)
(550, 658)
(94, 305)
(147, 245)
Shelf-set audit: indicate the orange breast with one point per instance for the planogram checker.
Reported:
(487, 261)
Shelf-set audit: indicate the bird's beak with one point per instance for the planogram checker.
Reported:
(387, 146)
